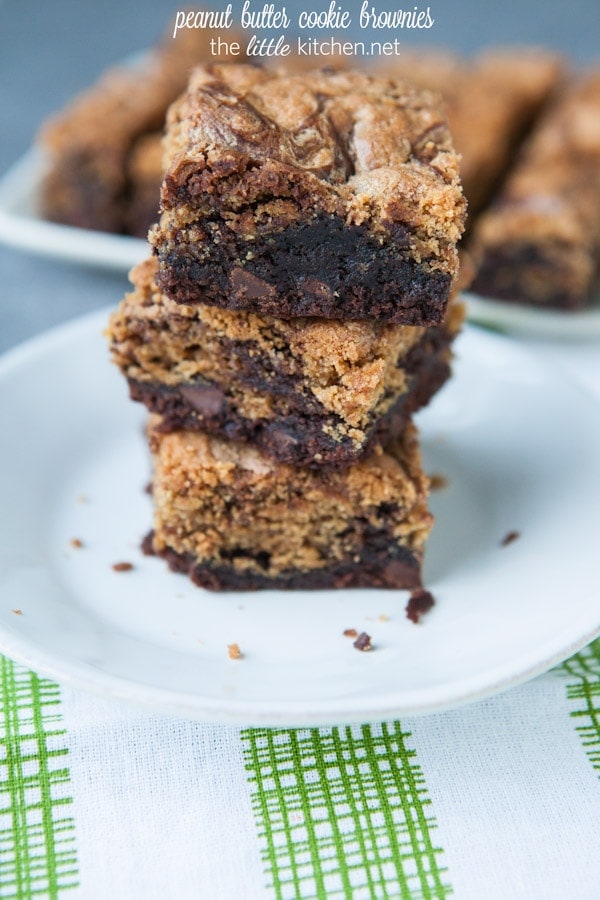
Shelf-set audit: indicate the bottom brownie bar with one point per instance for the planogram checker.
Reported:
(234, 519)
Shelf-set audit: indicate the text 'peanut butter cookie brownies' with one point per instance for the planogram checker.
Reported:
(331, 194)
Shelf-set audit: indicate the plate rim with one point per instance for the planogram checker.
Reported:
(182, 703)
(82, 676)
(518, 319)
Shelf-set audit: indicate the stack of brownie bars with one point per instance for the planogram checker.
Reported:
(299, 307)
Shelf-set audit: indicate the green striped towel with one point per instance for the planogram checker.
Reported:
(496, 801)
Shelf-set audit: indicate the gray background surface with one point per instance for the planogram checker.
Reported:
(50, 49)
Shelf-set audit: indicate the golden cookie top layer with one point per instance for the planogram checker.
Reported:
(367, 148)
(489, 101)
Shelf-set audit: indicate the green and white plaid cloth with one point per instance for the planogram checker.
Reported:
(496, 801)
(499, 800)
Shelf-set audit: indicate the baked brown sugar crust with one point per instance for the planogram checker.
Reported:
(330, 194)
(491, 103)
(87, 144)
(234, 519)
(539, 243)
(307, 391)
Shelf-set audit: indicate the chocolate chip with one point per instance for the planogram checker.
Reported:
(248, 286)
(207, 399)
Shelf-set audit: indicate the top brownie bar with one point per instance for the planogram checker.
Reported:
(332, 194)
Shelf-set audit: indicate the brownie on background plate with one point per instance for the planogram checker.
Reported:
(539, 242)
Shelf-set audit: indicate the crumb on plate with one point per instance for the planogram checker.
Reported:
(233, 651)
(418, 604)
(122, 567)
(363, 642)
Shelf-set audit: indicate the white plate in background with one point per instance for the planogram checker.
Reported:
(516, 318)
(518, 443)
(22, 226)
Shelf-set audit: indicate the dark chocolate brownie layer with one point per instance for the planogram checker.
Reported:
(377, 566)
(321, 268)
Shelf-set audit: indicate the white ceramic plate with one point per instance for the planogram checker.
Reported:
(22, 226)
(529, 321)
(519, 445)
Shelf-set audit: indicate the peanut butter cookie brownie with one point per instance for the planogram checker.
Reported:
(307, 391)
(87, 145)
(233, 519)
(330, 194)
